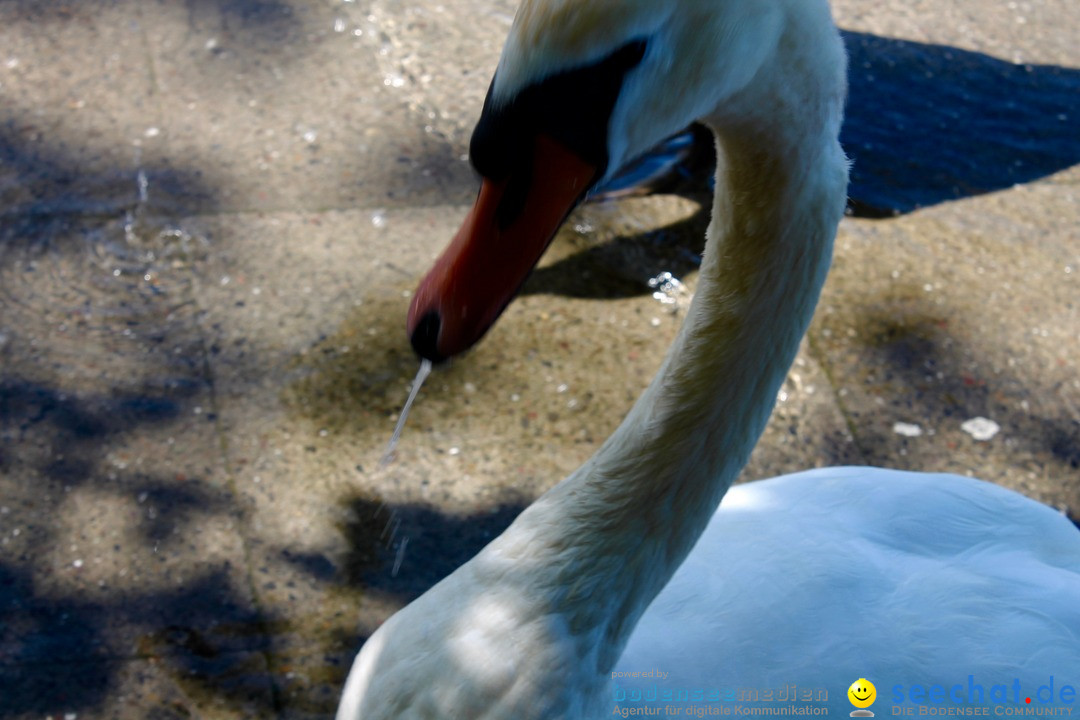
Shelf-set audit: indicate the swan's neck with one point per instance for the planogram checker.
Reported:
(615, 531)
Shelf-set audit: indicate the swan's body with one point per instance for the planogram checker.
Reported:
(826, 576)
(813, 580)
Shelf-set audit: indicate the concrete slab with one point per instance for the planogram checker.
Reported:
(118, 524)
(79, 102)
(230, 686)
(311, 369)
(963, 311)
(1038, 31)
(280, 287)
(320, 105)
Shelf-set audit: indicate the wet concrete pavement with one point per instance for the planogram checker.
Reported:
(212, 213)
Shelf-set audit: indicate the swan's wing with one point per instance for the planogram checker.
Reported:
(824, 577)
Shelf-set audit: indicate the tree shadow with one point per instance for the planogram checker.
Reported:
(62, 650)
(54, 11)
(907, 354)
(102, 359)
(100, 351)
(62, 176)
(266, 22)
(59, 653)
(40, 182)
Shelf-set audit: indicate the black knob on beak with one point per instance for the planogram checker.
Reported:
(425, 337)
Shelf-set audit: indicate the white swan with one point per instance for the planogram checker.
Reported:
(926, 584)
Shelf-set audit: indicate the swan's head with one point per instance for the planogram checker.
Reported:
(584, 86)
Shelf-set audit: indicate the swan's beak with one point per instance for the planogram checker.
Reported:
(496, 248)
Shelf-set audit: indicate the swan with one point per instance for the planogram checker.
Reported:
(629, 586)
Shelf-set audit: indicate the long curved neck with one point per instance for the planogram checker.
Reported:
(618, 528)
(769, 247)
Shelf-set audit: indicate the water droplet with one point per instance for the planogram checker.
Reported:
(910, 430)
(669, 290)
(980, 428)
(399, 557)
(421, 376)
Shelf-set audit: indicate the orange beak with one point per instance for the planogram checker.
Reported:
(491, 256)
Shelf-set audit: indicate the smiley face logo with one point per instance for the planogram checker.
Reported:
(862, 693)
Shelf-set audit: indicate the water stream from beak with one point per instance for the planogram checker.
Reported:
(421, 376)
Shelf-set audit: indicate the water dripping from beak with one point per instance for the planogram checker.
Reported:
(421, 376)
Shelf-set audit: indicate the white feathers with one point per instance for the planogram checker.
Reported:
(830, 575)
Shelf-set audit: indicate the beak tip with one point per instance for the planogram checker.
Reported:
(425, 337)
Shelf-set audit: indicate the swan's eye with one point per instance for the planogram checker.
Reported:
(572, 107)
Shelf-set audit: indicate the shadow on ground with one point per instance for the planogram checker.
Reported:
(65, 649)
(931, 123)
(435, 544)
(621, 268)
(266, 22)
(39, 180)
(903, 350)
(58, 652)
(925, 124)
